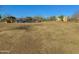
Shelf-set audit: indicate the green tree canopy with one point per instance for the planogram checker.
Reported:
(9, 19)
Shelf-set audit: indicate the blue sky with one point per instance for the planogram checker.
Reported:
(38, 10)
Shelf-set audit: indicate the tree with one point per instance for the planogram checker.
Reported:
(9, 19)
(28, 19)
(52, 18)
(38, 18)
(61, 17)
(75, 16)
(0, 17)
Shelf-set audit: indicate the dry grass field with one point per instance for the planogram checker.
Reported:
(45, 37)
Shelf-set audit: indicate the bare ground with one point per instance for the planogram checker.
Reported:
(45, 37)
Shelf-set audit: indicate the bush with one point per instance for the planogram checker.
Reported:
(9, 19)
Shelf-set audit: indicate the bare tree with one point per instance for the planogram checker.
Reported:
(75, 16)
(52, 18)
(38, 18)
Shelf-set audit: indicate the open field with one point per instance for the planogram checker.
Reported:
(45, 37)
